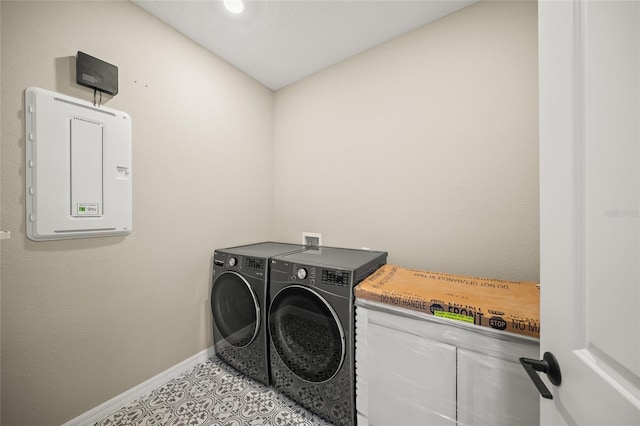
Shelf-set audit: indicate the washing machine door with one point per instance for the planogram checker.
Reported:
(235, 309)
(306, 333)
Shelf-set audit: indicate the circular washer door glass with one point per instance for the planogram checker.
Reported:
(235, 309)
(306, 334)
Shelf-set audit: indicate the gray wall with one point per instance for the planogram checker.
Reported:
(85, 320)
(425, 146)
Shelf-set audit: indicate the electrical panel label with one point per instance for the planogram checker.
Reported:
(87, 209)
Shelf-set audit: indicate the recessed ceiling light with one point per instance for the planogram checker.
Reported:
(234, 6)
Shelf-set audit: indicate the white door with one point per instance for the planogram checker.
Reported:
(589, 200)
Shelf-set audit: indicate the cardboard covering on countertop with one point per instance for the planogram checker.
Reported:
(512, 306)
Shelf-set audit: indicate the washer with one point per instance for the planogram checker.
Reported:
(311, 327)
(239, 296)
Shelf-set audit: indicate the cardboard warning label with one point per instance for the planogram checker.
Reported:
(453, 316)
(512, 306)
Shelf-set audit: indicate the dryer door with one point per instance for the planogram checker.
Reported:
(306, 333)
(235, 309)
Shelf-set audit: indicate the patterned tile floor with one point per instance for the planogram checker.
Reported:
(212, 393)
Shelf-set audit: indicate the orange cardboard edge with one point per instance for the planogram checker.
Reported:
(431, 293)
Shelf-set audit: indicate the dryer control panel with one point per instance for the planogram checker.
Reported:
(327, 276)
(303, 273)
(335, 277)
(335, 281)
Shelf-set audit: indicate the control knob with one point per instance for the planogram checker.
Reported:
(302, 273)
(232, 261)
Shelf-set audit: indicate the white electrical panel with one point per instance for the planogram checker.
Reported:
(78, 168)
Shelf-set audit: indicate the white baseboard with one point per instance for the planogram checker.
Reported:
(103, 410)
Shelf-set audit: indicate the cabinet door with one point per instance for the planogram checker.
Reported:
(493, 391)
(412, 380)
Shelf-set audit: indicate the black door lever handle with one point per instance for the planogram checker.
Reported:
(547, 365)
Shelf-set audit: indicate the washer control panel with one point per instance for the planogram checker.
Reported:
(253, 266)
(302, 273)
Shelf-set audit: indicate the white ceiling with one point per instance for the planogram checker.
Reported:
(281, 42)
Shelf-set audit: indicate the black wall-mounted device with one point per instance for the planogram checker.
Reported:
(97, 74)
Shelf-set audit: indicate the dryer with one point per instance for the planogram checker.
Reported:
(311, 327)
(239, 296)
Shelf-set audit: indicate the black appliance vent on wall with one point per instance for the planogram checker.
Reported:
(96, 74)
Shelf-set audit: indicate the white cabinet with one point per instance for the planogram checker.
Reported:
(414, 369)
(427, 393)
(494, 391)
